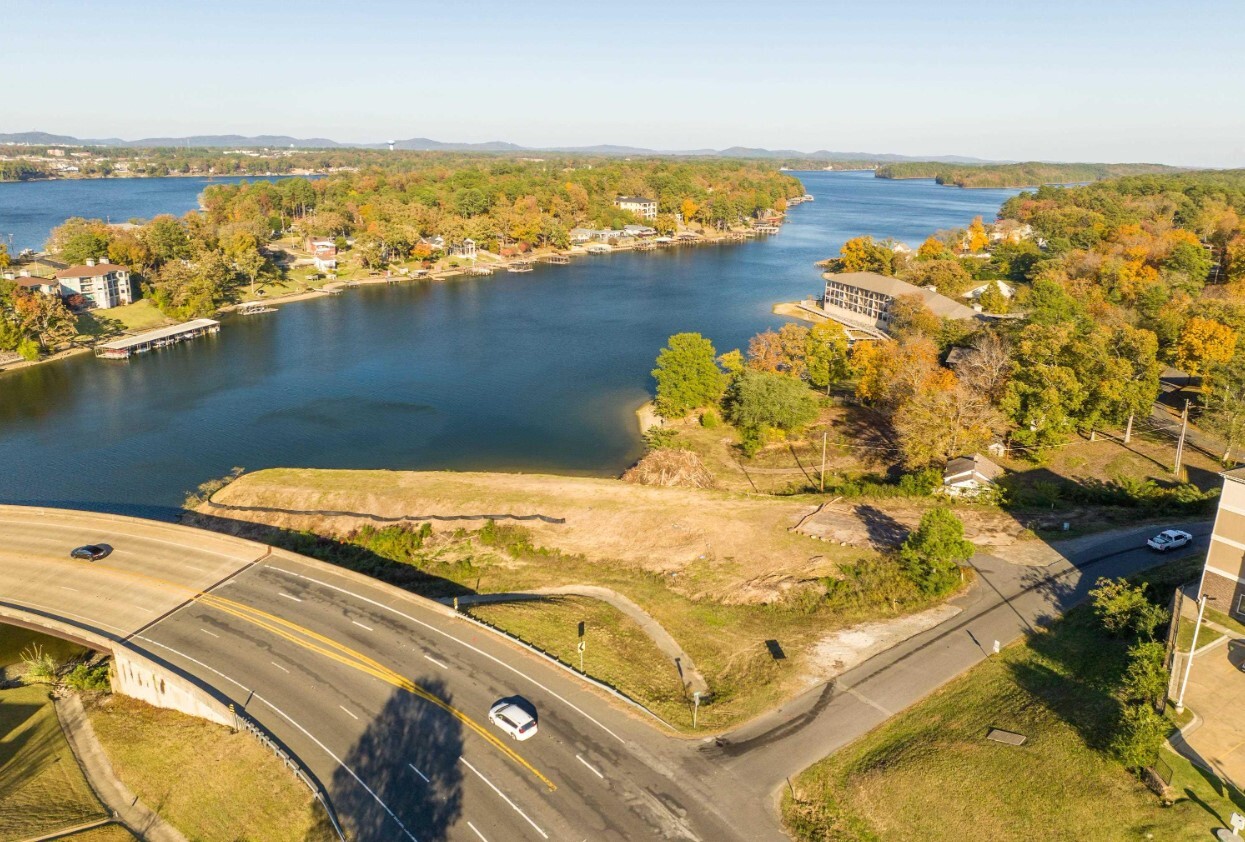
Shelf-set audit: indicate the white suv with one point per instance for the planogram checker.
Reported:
(513, 719)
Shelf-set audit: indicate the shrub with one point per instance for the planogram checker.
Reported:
(1139, 736)
(709, 419)
(760, 399)
(932, 553)
(92, 679)
(41, 667)
(1123, 608)
(1145, 679)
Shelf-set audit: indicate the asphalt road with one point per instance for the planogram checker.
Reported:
(384, 697)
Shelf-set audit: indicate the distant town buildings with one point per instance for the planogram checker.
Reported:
(102, 284)
(865, 299)
(640, 206)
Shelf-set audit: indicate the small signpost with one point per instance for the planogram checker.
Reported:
(1238, 824)
(582, 645)
(695, 707)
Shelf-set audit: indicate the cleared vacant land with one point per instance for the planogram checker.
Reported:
(721, 572)
(930, 773)
(205, 780)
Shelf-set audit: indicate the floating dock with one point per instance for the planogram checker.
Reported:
(120, 349)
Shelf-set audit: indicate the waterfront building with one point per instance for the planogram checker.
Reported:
(640, 206)
(1223, 573)
(466, 249)
(47, 286)
(865, 299)
(102, 284)
(639, 231)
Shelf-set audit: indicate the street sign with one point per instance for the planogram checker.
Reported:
(581, 628)
(582, 646)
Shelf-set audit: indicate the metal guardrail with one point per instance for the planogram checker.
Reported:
(245, 723)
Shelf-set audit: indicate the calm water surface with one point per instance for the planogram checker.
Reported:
(538, 371)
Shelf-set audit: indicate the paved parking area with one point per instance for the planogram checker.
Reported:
(1216, 688)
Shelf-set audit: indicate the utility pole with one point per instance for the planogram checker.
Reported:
(1128, 431)
(1184, 429)
(825, 434)
(1188, 667)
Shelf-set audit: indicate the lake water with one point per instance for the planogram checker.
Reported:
(30, 209)
(538, 371)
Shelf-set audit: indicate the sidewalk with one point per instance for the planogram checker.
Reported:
(115, 796)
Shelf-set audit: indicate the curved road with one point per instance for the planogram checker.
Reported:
(384, 695)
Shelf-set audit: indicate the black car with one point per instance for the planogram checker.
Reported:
(91, 552)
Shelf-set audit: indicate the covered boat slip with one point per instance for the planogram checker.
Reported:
(120, 349)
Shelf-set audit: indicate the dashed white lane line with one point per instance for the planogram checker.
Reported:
(477, 833)
(66, 588)
(421, 774)
(352, 716)
(592, 768)
(513, 806)
(457, 640)
(435, 661)
(278, 666)
(287, 596)
(210, 634)
(360, 625)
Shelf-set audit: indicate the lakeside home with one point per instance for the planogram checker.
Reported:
(641, 206)
(104, 285)
(864, 300)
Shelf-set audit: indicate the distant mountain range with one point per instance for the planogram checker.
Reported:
(427, 145)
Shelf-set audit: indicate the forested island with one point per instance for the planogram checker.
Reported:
(1029, 174)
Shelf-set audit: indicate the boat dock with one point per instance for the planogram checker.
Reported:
(521, 266)
(120, 349)
(558, 259)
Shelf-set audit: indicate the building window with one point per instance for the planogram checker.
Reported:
(1240, 604)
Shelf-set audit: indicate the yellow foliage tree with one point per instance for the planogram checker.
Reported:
(932, 249)
(978, 239)
(1202, 344)
(688, 208)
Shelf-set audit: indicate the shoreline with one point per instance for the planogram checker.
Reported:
(114, 177)
(441, 275)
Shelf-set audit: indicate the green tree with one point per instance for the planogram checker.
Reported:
(687, 376)
(825, 354)
(1139, 736)
(932, 554)
(992, 299)
(759, 401)
(1122, 608)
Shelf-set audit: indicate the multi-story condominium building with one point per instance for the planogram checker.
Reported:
(101, 283)
(640, 206)
(864, 299)
(1223, 577)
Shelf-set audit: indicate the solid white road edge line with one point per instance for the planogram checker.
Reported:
(360, 625)
(349, 771)
(443, 633)
(352, 715)
(421, 774)
(503, 797)
(477, 833)
(594, 769)
(435, 661)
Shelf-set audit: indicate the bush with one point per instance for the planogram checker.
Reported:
(760, 399)
(709, 419)
(1145, 679)
(91, 679)
(1140, 735)
(1123, 608)
(41, 667)
(919, 484)
(931, 555)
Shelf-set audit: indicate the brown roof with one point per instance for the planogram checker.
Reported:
(23, 281)
(938, 304)
(95, 271)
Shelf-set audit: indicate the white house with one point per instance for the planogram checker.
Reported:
(101, 283)
(639, 205)
(968, 476)
(639, 231)
(466, 249)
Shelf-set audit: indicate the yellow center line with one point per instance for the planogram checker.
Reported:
(322, 645)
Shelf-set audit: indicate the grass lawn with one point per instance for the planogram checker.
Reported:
(1184, 634)
(1224, 620)
(41, 787)
(107, 833)
(239, 790)
(930, 774)
(618, 651)
(131, 318)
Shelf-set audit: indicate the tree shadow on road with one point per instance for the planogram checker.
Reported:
(408, 758)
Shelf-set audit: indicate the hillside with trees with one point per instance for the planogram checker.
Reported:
(1029, 174)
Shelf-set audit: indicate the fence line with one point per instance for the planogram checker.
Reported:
(245, 723)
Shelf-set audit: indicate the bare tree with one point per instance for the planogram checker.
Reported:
(986, 366)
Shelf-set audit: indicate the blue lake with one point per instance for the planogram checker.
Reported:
(538, 371)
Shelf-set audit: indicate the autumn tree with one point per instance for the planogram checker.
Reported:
(932, 553)
(911, 317)
(986, 365)
(5, 260)
(1223, 404)
(949, 277)
(45, 317)
(943, 419)
(1044, 394)
(862, 254)
(978, 239)
(765, 352)
(933, 249)
(1204, 343)
(686, 375)
(825, 354)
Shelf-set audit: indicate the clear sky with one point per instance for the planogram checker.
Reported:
(1087, 80)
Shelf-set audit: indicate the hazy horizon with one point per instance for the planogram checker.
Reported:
(1107, 81)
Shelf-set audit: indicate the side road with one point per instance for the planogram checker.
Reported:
(137, 817)
(1012, 600)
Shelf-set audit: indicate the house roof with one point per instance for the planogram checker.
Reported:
(23, 281)
(938, 304)
(96, 271)
(975, 464)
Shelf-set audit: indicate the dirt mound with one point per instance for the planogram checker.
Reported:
(670, 468)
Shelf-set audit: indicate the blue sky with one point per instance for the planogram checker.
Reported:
(1095, 80)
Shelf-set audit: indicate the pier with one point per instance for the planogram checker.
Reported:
(120, 349)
